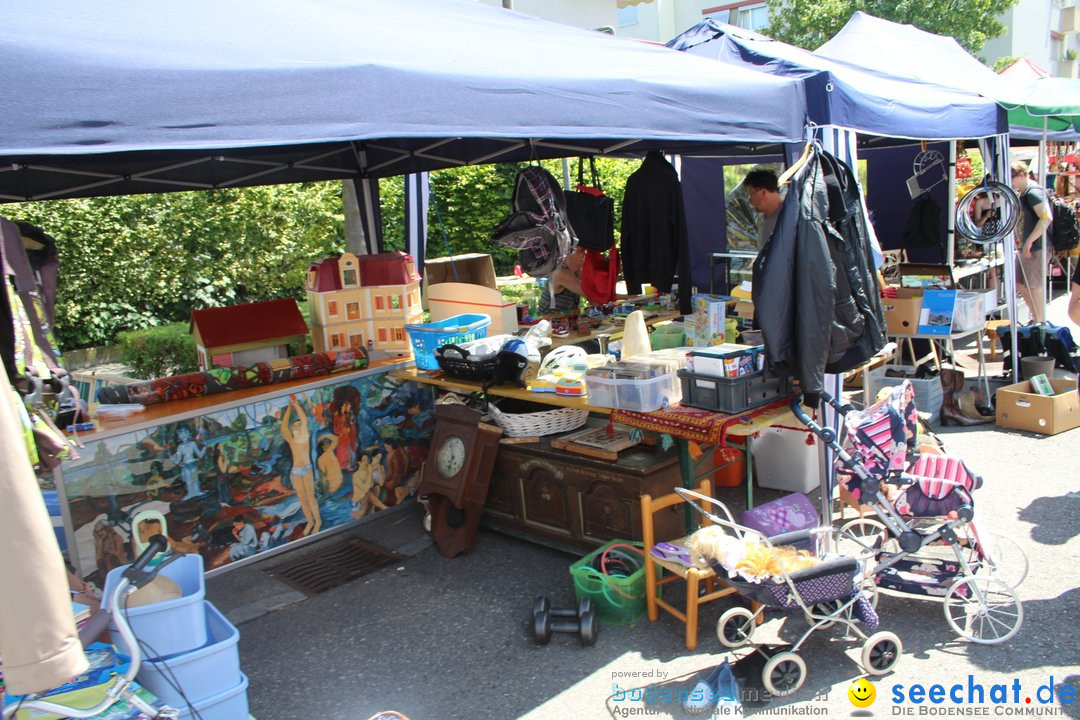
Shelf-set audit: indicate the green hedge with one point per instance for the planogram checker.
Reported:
(158, 351)
(147, 260)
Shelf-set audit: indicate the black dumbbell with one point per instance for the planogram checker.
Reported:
(541, 605)
(585, 627)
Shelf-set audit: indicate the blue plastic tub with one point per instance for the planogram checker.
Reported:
(202, 673)
(52, 503)
(169, 627)
(231, 704)
(426, 337)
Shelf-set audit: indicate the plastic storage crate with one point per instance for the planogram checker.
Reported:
(642, 395)
(426, 337)
(970, 311)
(928, 392)
(200, 674)
(619, 600)
(231, 704)
(731, 395)
(169, 627)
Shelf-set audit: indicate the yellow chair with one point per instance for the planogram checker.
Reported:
(692, 575)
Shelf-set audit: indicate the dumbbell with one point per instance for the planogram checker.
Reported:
(541, 605)
(569, 621)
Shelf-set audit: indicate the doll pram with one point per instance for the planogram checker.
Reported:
(923, 542)
(827, 594)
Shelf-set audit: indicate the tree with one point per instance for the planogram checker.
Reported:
(809, 23)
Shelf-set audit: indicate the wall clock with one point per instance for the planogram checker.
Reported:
(457, 474)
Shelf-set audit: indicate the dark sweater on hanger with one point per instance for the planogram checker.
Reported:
(654, 245)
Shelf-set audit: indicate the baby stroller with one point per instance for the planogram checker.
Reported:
(827, 594)
(924, 542)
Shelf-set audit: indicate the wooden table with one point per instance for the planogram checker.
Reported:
(713, 429)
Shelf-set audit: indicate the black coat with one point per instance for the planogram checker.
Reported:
(815, 297)
(654, 246)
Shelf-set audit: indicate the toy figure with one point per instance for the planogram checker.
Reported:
(294, 428)
(187, 456)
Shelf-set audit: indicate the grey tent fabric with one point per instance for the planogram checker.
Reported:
(116, 97)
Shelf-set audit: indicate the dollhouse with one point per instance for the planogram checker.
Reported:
(363, 300)
(247, 334)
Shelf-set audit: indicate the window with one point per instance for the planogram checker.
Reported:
(399, 334)
(395, 302)
(382, 335)
(348, 277)
(751, 17)
(356, 340)
(331, 308)
(311, 278)
(627, 15)
(337, 340)
(380, 302)
(352, 310)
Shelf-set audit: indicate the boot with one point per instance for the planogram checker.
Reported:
(969, 408)
(952, 387)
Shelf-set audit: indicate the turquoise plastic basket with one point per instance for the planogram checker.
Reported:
(426, 337)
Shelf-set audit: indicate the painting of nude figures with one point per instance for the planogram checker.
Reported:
(237, 482)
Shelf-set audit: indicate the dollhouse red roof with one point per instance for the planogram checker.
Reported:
(254, 322)
(326, 278)
(390, 268)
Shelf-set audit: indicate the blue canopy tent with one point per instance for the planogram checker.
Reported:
(881, 108)
(115, 97)
(119, 98)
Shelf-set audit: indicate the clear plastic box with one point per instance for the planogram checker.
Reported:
(640, 394)
(970, 311)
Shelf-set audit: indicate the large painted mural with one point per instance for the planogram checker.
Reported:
(237, 482)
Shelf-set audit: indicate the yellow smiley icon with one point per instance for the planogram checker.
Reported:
(862, 693)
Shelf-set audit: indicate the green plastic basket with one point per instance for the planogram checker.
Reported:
(671, 335)
(618, 599)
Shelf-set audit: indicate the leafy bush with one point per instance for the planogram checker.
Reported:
(159, 351)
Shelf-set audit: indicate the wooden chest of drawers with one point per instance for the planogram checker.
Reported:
(576, 503)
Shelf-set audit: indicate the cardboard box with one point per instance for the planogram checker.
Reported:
(709, 314)
(745, 309)
(473, 268)
(922, 275)
(1021, 408)
(902, 311)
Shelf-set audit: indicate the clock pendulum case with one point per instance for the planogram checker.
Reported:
(457, 474)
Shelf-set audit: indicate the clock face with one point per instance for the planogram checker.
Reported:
(450, 457)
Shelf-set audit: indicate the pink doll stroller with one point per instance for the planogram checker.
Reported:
(923, 542)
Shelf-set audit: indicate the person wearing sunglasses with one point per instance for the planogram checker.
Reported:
(765, 197)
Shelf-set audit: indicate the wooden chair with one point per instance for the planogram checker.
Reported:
(693, 576)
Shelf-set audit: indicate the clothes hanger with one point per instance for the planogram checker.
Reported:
(787, 175)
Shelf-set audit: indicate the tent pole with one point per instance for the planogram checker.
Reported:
(950, 225)
(1009, 245)
(1043, 171)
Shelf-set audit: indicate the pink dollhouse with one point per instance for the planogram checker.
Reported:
(363, 300)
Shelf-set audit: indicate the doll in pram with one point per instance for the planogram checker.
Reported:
(923, 541)
(790, 573)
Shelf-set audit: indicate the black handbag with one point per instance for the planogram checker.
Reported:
(591, 213)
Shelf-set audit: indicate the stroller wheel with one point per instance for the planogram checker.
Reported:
(881, 652)
(784, 673)
(983, 610)
(1000, 557)
(735, 627)
(862, 538)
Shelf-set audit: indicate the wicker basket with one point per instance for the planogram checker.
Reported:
(544, 422)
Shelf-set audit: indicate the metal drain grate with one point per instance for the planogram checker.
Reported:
(335, 565)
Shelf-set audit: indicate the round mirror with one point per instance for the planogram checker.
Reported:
(988, 213)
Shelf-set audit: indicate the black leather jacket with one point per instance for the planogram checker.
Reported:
(815, 298)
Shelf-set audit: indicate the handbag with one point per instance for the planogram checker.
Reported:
(591, 212)
(534, 237)
(599, 275)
